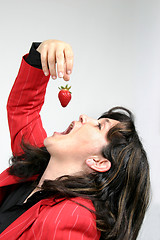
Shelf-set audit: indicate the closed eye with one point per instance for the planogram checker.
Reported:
(99, 126)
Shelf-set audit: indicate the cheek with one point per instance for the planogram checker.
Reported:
(98, 142)
(92, 143)
(97, 146)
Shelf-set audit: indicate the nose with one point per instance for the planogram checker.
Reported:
(85, 119)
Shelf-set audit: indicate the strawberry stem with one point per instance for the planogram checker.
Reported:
(65, 88)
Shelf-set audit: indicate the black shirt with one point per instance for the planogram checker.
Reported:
(13, 206)
(34, 58)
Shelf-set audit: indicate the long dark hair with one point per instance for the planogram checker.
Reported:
(120, 195)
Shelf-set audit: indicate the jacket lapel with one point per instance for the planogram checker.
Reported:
(7, 181)
(18, 227)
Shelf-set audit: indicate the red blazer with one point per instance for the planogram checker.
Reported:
(47, 219)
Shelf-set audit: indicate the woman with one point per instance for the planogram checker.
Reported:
(89, 182)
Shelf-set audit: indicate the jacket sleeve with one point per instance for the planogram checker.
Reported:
(23, 107)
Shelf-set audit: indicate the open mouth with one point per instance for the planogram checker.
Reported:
(69, 129)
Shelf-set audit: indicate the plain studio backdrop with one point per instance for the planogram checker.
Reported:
(117, 62)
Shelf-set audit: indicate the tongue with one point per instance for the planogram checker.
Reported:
(66, 131)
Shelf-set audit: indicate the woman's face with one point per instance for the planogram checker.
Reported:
(82, 139)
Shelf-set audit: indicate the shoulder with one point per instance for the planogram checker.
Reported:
(74, 207)
(78, 204)
(71, 219)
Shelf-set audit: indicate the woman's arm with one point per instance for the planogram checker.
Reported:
(27, 95)
(23, 107)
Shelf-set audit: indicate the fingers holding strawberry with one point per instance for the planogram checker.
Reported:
(56, 52)
(64, 95)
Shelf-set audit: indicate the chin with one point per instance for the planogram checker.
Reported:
(44, 142)
(47, 142)
(51, 145)
(48, 145)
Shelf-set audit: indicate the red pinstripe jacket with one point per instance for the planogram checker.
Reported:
(45, 220)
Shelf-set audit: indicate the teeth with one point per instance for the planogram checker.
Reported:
(71, 126)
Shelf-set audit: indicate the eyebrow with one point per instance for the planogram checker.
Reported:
(107, 120)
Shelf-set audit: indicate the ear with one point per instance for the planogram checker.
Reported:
(98, 164)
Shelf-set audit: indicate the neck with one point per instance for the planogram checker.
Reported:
(57, 169)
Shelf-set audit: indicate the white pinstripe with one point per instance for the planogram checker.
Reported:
(95, 236)
(87, 229)
(74, 210)
(33, 107)
(32, 134)
(73, 227)
(56, 229)
(44, 223)
(21, 132)
(41, 129)
(34, 234)
(29, 225)
(27, 120)
(4, 179)
(20, 96)
(61, 211)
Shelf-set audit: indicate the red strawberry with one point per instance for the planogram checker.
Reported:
(64, 95)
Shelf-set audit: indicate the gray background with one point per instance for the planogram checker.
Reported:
(117, 56)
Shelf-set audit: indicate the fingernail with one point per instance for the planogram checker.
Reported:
(68, 72)
(45, 73)
(54, 77)
(60, 74)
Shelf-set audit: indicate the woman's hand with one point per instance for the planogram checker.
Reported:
(56, 52)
